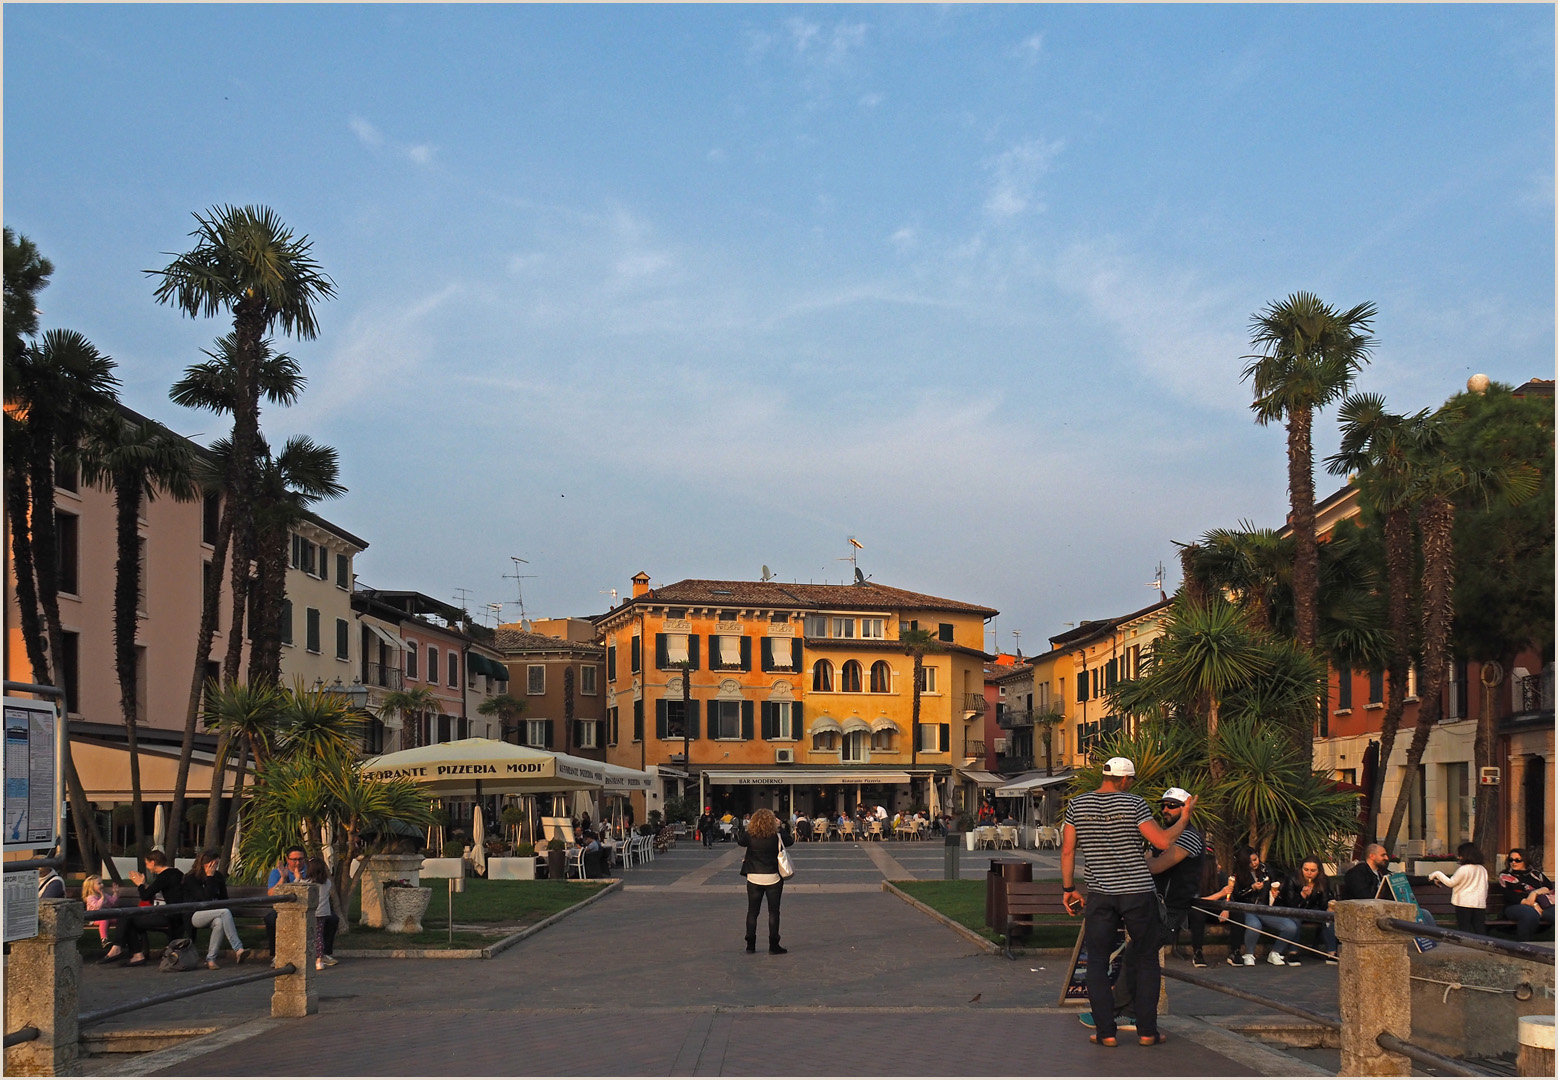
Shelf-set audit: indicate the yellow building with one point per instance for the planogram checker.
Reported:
(787, 695)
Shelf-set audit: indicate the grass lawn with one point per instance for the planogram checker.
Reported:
(964, 902)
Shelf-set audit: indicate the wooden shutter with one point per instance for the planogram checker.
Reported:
(549, 734)
(944, 631)
(692, 651)
(1082, 685)
(746, 718)
(638, 649)
(611, 663)
(746, 653)
(692, 719)
(638, 716)
(795, 720)
(765, 654)
(768, 719)
(716, 657)
(660, 718)
(661, 660)
(795, 653)
(946, 737)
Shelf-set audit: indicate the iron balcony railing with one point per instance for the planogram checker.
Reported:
(1536, 693)
(382, 675)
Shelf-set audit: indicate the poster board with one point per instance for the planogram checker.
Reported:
(21, 905)
(1401, 891)
(32, 771)
(1074, 988)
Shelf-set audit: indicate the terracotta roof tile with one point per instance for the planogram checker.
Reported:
(523, 641)
(697, 592)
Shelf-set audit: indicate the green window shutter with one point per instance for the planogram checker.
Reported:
(946, 737)
(746, 653)
(795, 720)
(637, 658)
(692, 650)
(765, 654)
(944, 631)
(1082, 685)
(795, 653)
(768, 719)
(549, 734)
(638, 717)
(716, 657)
(660, 718)
(611, 663)
(661, 661)
(692, 719)
(746, 718)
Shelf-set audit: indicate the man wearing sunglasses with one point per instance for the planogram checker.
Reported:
(291, 870)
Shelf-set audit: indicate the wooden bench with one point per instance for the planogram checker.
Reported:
(1025, 899)
(1435, 899)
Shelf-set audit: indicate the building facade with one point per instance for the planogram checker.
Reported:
(558, 671)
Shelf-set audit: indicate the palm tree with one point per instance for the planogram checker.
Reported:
(27, 273)
(209, 385)
(413, 704)
(52, 390)
(1309, 354)
(1251, 567)
(248, 263)
(1437, 480)
(137, 459)
(916, 643)
(245, 718)
(508, 709)
(316, 723)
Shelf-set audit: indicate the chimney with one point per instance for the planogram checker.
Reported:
(640, 584)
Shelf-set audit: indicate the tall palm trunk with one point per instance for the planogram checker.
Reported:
(218, 782)
(127, 590)
(1398, 584)
(1486, 811)
(269, 594)
(210, 606)
(1437, 520)
(1306, 548)
(248, 329)
(232, 825)
(19, 510)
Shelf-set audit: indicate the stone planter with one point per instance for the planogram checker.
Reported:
(557, 865)
(403, 909)
(382, 868)
(1424, 867)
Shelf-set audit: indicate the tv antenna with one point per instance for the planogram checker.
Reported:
(611, 593)
(1157, 583)
(519, 585)
(1017, 637)
(768, 575)
(853, 558)
(494, 612)
(463, 598)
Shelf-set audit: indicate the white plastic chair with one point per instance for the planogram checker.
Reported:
(1006, 836)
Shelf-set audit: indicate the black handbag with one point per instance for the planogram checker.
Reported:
(179, 955)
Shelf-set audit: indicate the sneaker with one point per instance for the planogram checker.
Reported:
(328, 961)
(1241, 960)
(1125, 1023)
(1249, 959)
(1331, 960)
(1087, 1019)
(1292, 961)
(1275, 959)
(1197, 960)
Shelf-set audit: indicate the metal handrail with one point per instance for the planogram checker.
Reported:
(189, 991)
(21, 1035)
(34, 864)
(1301, 914)
(34, 688)
(109, 914)
(1525, 950)
(1333, 1022)
(1389, 1042)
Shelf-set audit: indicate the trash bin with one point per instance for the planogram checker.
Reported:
(952, 846)
(1002, 871)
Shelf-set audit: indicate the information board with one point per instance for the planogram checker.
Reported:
(21, 905)
(1074, 991)
(31, 774)
(1401, 890)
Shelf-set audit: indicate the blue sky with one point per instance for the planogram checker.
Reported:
(697, 289)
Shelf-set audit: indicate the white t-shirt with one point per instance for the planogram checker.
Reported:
(1469, 886)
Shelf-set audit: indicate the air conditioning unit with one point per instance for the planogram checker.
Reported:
(1000, 746)
(784, 757)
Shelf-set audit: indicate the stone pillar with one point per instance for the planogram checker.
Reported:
(42, 990)
(382, 868)
(1536, 1046)
(294, 994)
(1375, 988)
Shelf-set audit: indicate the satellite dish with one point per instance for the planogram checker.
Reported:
(860, 579)
(768, 575)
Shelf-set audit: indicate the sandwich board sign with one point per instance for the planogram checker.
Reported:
(1074, 989)
(1401, 890)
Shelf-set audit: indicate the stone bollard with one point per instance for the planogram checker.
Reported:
(1374, 982)
(1536, 1046)
(42, 990)
(294, 994)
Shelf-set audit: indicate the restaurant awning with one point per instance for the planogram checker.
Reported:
(982, 779)
(881, 723)
(854, 723)
(455, 768)
(394, 641)
(105, 771)
(781, 777)
(824, 723)
(1027, 785)
(477, 664)
(621, 779)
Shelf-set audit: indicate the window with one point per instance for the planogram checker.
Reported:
(781, 720)
(1082, 685)
(538, 733)
(612, 717)
(729, 648)
(725, 719)
(303, 553)
(286, 622)
(68, 553)
(210, 518)
(778, 616)
(588, 677)
(638, 716)
(432, 664)
(780, 654)
(873, 628)
(676, 648)
(1458, 802)
(343, 638)
(849, 677)
(1343, 688)
(453, 664)
(70, 671)
(673, 651)
(311, 620)
(535, 679)
(881, 678)
(343, 571)
(883, 740)
(1411, 694)
(588, 735)
(843, 628)
(611, 663)
(411, 660)
(1376, 688)
(933, 738)
(824, 740)
(675, 724)
(67, 477)
(638, 655)
(855, 746)
(822, 676)
(927, 680)
(816, 626)
(944, 631)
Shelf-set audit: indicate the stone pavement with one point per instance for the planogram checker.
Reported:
(653, 980)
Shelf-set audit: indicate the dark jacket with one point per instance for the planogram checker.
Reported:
(169, 884)
(1292, 894)
(1519, 884)
(762, 855)
(211, 887)
(1362, 883)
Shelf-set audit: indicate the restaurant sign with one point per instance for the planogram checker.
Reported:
(439, 772)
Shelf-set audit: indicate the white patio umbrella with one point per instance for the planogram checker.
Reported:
(935, 799)
(488, 767)
(584, 804)
(159, 829)
(479, 840)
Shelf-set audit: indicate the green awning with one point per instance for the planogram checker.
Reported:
(482, 665)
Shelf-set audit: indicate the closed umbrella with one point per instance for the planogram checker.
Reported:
(935, 799)
(159, 829)
(479, 840)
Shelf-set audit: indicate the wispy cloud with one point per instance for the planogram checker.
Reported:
(1015, 176)
(367, 134)
(1028, 49)
(371, 137)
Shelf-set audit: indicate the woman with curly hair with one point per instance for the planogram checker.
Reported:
(762, 838)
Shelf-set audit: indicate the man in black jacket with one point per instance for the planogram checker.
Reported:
(706, 826)
(1364, 880)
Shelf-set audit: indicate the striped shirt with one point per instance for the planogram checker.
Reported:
(1108, 825)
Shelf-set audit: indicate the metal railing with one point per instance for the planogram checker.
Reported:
(189, 991)
(1524, 950)
(109, 914)
(1426, 1057)
(21, 1035)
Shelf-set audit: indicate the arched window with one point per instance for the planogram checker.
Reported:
(849, 677)
(823, 740)
(881, 678)
(883, 739)
(822, 675)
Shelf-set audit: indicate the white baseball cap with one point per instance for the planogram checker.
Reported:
(1176, 794)
(1119, 766)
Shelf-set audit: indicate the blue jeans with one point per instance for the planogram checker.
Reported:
(1277, 924)
(1528, 920)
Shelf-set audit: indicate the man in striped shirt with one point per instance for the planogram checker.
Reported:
(1110, 824)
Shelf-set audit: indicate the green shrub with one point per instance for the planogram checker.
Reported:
(525, 850)
(453, 849)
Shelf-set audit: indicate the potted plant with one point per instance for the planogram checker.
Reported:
(556, 866)
(453, 849)
(404, 906)
(512, 817)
